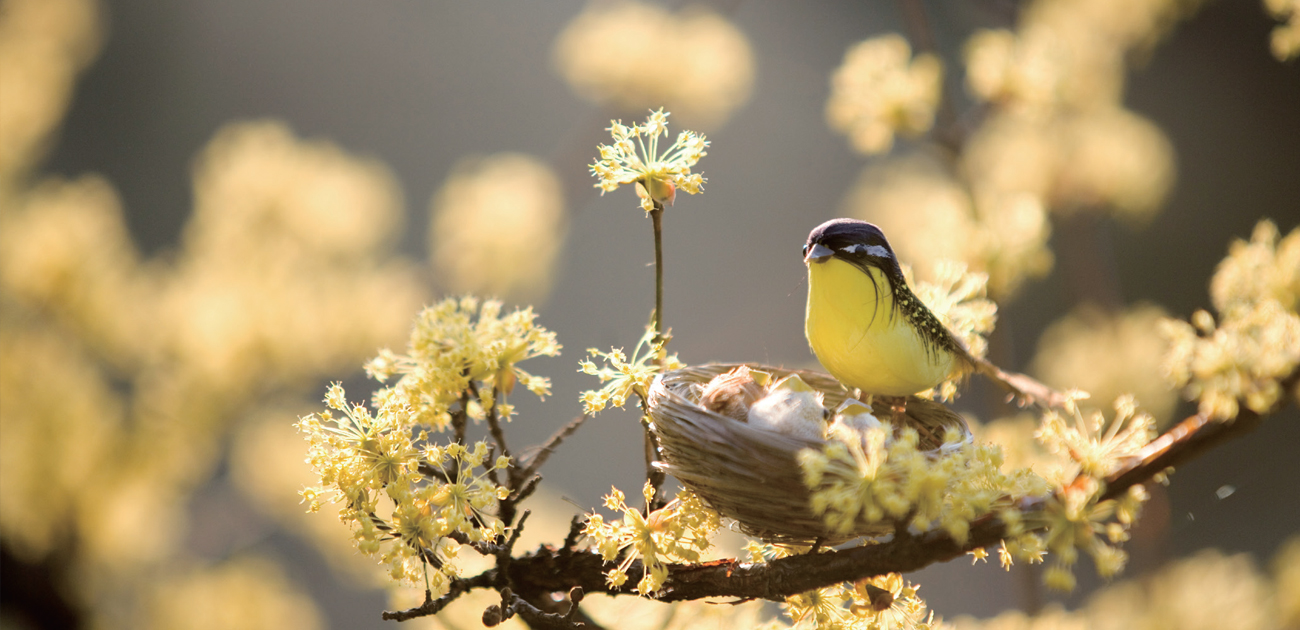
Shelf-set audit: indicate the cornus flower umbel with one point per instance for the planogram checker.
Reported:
(635, 158)
(677, 532)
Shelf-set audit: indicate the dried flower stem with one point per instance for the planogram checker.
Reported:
(653, 474)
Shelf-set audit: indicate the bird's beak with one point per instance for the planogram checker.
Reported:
(818, 253)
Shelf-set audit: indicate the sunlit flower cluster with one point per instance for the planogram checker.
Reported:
(635, 158)
(1256, 342)
(622, 376)
(885, 602)
(867, 477)
(1099, 445)
(881, 90)
(956, 297)
(44, 44)
(878, 474)
(1074, 517)
(1285, 39)
(634, 55)
(677, 532)
(201, 599)
(498, 227)
(462, 356)
(1108, 355)
(436, 497)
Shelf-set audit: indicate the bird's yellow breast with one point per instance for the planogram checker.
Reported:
(860, 339)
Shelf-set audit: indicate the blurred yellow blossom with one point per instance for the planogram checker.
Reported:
(881, 90)
(44, 44)
(1286, 576)
(930, 216)
(1067, 53)
(1256, 343)
(1115, 159)
(1207, 591)
(301, 222)
(59, 423)
(65, 250)
(498, 227)
(1285, 39)
(634, 55)
(1105, 159)
(246, 592)
(635, 158)
(1108, 355)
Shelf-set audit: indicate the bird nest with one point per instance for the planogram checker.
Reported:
(751, 474)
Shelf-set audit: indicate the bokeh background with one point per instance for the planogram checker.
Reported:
(164, 329)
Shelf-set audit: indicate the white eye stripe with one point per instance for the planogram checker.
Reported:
(878, 251)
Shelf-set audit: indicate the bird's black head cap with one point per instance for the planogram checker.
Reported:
(858, 243)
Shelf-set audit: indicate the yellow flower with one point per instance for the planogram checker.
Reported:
(678, 532)
(624, 377)
(635, 158)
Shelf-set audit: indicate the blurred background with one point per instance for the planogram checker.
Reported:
(212, 209)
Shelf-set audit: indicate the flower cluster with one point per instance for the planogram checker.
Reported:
(436, 499)
(885, 602)
(1074, 517)
(462, 354)
(407, 497)
(677, 532)
(1096, 444)
(880, 90)
(882, 474)
(1256, 343)
(635, 158)
(623, 377)
(957, 297)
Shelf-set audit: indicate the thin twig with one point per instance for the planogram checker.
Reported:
(553, 443)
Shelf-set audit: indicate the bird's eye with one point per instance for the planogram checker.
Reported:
(805, 249)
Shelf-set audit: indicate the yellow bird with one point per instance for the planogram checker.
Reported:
(871, 332)
(863, 322)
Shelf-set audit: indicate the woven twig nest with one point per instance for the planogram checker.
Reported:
(751, 474)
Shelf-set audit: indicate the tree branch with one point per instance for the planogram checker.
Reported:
(537, 574)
